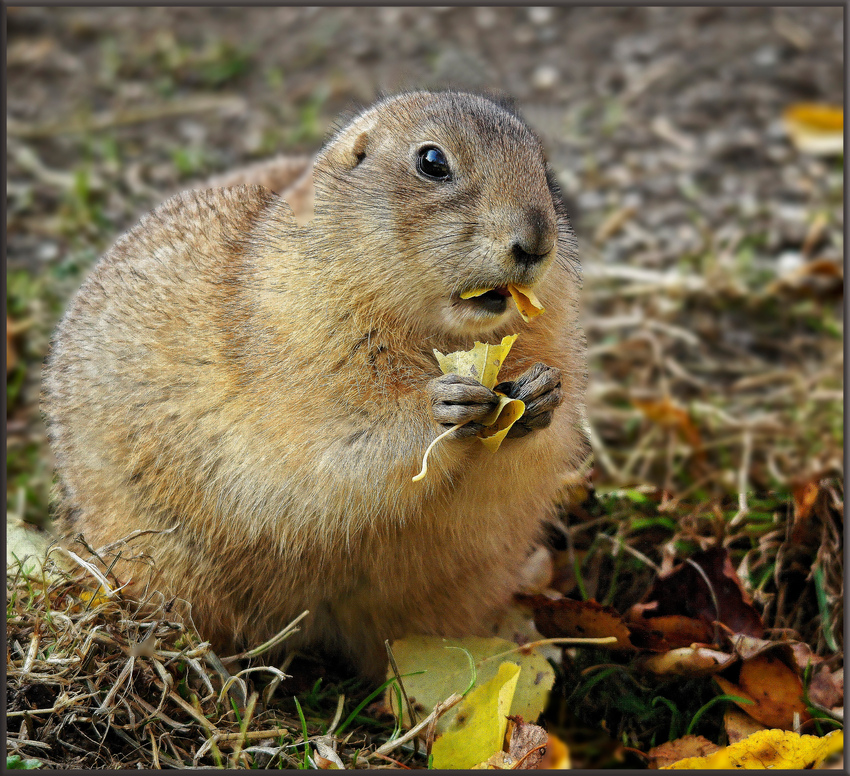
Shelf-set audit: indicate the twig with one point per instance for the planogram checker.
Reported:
(107, 589)
(439, 710)
(743, 471)
(632, 551)
(561, 640)
(340, 703)
(410, 710)
(711, 592)
(267, 645)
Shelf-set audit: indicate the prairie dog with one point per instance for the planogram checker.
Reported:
(248, 399)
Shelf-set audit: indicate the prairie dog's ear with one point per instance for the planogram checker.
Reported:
(350, 146)
(361, 143)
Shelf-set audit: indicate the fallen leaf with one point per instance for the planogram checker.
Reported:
(816, 279)
(665, 413)
(564, 617)
(775, 690)
(557, 755)
(684, 591)
(673, 751)
(739, 725)
(676, 629)
(524, 298)
(826, 688)
(482, 363)
(445, 667)
(478, 728)
(526, 743)
(28, 544)
(815, 128)
(775, 749)
(687, 661)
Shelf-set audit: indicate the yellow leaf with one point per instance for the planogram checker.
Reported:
(482, 363)
(524, 298)
(478, 728)
(434, 668)
(775, 690)
(508, 412)
(816, 128)
(775, 749)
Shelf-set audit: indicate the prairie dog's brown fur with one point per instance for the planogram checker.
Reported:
(249, 398)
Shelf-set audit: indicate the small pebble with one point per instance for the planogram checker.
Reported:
(544, 77)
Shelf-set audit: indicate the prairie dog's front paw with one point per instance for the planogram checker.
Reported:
(457, 399)
(540, 389)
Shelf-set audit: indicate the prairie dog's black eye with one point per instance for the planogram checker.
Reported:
(432, 163)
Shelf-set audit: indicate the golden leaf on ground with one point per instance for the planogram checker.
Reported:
(478, 728)
(440, 667)
(482, 363)
(775, 690)
(674, 751)
(524, 298)
(815, 128)
(774, 749)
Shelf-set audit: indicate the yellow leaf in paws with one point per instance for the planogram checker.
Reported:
(524, 298)
(505, 415)
(483, 363)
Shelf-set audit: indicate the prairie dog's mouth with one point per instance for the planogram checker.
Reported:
(494, 301)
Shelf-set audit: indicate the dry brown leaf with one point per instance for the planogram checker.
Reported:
(805, 494)
(668, 415)
(676, 629)
(826, 688)
(564, 617)
(775, 690)
(525, 743)
(673, 751)
(816, 279)
(739, 725)
(684, 591)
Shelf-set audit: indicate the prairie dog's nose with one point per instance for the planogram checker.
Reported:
(535, 238)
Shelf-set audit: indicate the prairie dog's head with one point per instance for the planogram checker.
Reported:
(439, 194)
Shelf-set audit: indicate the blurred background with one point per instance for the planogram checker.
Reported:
(700, 154)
